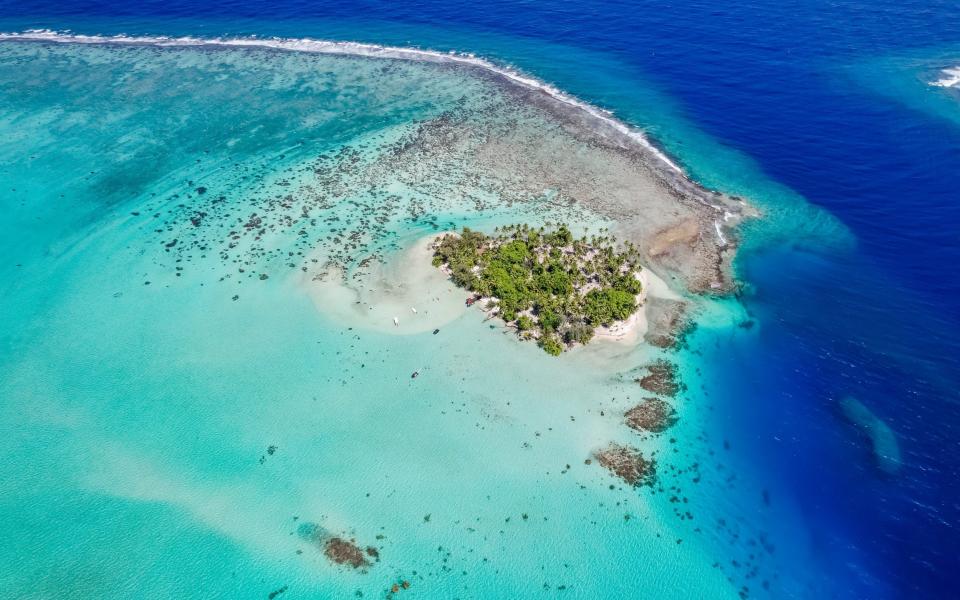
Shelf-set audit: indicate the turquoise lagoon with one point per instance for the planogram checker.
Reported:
(182, 399)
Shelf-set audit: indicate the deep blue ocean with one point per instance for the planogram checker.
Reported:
(801, 90)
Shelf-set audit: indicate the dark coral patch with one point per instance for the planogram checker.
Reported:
(653, 414)
(627, 463)
(661, 379)
(345, 552)
(339, 550)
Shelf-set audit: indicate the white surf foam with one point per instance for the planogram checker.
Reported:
(355, 49)
(950, 78)
(720, 237)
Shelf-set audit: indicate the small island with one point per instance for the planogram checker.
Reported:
(549, 285)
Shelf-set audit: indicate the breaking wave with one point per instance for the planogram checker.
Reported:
(358, 49)
(949, 78)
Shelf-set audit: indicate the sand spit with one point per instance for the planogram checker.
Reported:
(403, 296)
(626, 332)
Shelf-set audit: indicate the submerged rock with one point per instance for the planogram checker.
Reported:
(886, 449)
(667, 322)
(627, 463)
(653, 414)
(661, 379)
(345, 552)
(338, 549)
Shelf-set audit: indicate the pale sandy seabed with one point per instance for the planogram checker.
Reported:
(269, 298)
(406, 288)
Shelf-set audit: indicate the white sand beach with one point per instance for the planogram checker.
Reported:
(405, 295)
(632, 330)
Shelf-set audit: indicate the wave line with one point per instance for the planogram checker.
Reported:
(355, 49)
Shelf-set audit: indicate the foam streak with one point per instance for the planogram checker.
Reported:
(353, 49)
(950, 78)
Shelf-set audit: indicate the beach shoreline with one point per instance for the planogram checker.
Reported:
(636, 328)
(403, 296)
(422, 297)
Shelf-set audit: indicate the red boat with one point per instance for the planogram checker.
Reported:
(471, 300)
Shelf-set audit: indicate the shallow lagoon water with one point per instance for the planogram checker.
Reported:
(855, 531)
(157, 363)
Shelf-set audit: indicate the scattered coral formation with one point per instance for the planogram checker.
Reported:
(661, 379)
(653, 415)
(338, 549)
(627, 463)
(345, 552)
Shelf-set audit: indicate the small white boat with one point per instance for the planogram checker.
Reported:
(396, 322)
(414, 310)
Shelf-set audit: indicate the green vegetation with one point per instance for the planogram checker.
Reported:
(548, 284)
